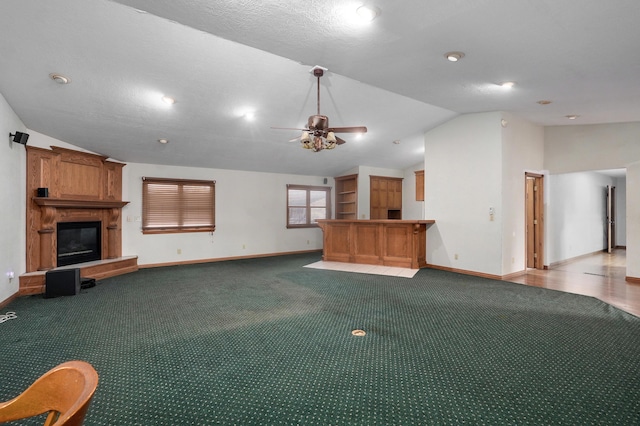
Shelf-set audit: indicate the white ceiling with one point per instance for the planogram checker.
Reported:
(221, 58)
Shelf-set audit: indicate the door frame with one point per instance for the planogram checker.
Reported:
(535, 204)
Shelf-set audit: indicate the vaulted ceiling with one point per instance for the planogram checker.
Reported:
(221, 59)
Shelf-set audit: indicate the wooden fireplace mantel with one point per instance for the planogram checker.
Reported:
(82, 204)
(82, 187)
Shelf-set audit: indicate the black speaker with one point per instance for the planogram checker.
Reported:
(324, 181)
(20, 137)
(62, 282)
(43, 192)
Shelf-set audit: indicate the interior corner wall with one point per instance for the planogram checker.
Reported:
(577, 215)
(621, 211)
(411, 208)
(13, 181)
(523, 151)
(463, 179)
(633, 220)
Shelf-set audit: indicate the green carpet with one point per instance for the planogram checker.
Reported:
(268, 342)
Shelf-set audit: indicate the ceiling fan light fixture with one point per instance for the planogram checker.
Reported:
(454, 56)
(305, 137)
(368, 13)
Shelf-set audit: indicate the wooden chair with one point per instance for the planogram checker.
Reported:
(64, 392)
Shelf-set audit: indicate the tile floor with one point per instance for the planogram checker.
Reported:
(364, 269)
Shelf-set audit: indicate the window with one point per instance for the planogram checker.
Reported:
(306, 204)
(178, 205)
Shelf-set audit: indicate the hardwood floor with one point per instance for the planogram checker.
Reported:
(600, 275)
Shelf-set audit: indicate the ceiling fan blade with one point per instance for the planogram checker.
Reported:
(356, 129)
(294, 139)
(290, 128)
(340, 141)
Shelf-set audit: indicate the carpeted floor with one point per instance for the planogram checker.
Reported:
(268, 342)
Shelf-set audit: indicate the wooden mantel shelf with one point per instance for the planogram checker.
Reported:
(84, 204)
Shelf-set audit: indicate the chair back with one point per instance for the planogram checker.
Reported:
(64, 392)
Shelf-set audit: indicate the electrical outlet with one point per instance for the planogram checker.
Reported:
(10, 275)
(455, 256)
(179, 251)
(307, 242)
(244, 247)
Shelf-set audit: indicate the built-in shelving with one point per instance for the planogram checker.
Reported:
(347, 197)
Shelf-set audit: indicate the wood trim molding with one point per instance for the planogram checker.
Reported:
(84, 204)
(632, 280)
(465, 272)
(82, 187)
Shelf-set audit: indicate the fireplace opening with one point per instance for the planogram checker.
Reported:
(78, 242)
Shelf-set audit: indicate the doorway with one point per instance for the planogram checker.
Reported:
(611, 218)
(534, 199)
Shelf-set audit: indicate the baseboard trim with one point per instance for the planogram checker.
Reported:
(513, 275)
(465, 272)
(223, 259)
(572, 259)
(8, 300)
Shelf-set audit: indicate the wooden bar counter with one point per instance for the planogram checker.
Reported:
(401, 243)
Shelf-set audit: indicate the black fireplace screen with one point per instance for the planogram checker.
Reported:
(78, 242)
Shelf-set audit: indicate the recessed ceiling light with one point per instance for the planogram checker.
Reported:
(168, 100)
(544, 102)
(59, 78)
(163, 141)
(368, 13)
(249, 115)
(508, 84)
(454, 56)
(572, 117)
(397, 142)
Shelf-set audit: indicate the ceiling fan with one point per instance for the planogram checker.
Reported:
(318, 127)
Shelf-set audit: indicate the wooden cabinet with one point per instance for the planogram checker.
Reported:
(347, 197)
(419, 185)
(400, 243)
(386, 198)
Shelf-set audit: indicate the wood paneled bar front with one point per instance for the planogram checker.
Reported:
(401, 243)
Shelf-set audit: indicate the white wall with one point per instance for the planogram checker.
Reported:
(591, 147)
(522, 151)
(13, 181)
(250, 217)
(621, 211)
(463, 178)
(598, 147)
(633, 220)
(576, 219)
(411, 209)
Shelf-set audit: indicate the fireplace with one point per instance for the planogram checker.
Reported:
(78, 242)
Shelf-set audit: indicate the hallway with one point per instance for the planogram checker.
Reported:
(601, 275)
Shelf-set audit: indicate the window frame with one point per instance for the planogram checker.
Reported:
(179, 226)
(308, 189)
